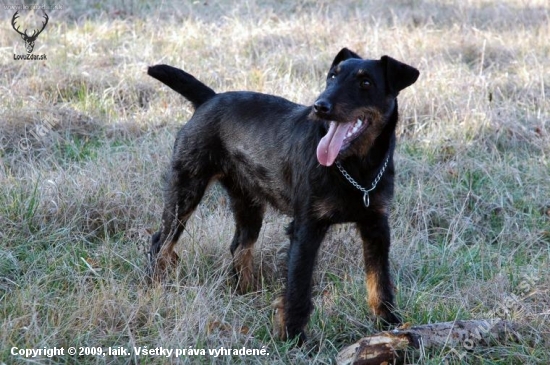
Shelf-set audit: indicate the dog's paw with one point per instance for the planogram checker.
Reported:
(388, 320)
(279, 324)
(158, 267)
(280, 329)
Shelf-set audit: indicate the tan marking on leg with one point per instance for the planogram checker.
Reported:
(166, 259)
(373, 293)
(243, 261)
(279, 323)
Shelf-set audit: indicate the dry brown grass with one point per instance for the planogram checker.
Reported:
(471, 219)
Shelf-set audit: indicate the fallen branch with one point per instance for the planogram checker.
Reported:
(389, 347)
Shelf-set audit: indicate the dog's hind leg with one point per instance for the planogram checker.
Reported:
(184, 191)
(376, 247)
(248, 214)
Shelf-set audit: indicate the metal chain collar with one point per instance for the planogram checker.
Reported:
(366, 199)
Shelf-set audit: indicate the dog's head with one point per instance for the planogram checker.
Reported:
(359, 98)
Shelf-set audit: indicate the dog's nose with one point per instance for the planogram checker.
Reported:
(322, 107)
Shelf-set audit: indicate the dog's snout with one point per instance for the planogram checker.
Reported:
(322, 107)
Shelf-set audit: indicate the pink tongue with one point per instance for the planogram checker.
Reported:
(330, 144)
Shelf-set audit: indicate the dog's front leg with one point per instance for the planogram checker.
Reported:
(376, 248)
(294, 308)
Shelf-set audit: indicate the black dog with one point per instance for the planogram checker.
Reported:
(323, 164)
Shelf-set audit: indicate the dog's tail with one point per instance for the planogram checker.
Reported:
(182, 82)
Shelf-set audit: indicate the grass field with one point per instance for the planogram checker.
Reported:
(85, 136)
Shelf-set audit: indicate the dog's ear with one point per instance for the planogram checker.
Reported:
(343, 55)
(398, 75)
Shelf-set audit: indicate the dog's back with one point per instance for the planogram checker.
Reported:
(246, 134)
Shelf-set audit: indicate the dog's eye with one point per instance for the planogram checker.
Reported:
(365, 84)
(331, 76)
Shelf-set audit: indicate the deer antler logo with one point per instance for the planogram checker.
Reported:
(29, 39)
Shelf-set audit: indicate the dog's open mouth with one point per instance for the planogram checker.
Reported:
(338, 138)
